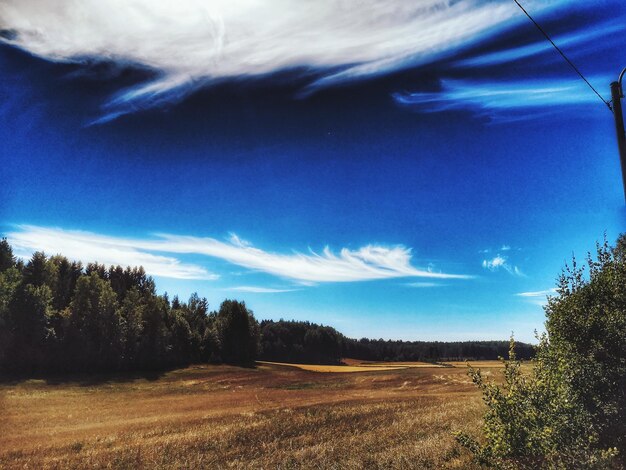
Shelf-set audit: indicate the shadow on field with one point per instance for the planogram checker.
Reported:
(84, 379)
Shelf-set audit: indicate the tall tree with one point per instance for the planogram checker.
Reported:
(27, 324)
(67, 274)
(7, 260)
(95, 317)
(154, 340)
(39, 271)
(238, 333)
(131, 312)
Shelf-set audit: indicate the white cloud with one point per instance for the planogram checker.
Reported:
(606, 32)
(539, 297)
(87, 247)
(504, 100)
(366, 263)
(495, 263)
(501, 262)
(193, 43)
(422, 285)
(537, 294)
(260, 290)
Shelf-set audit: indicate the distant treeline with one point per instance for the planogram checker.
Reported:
(432, 351)
(57, 315)
(304, 342)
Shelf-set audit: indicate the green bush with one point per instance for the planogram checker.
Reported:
(569, 412)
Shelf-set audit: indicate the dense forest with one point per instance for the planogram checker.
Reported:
(305, 342)
(57, 315)
(432, 351)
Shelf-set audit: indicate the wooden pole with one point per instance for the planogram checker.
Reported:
(616, 95)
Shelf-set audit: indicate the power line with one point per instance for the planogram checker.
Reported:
(564, 56)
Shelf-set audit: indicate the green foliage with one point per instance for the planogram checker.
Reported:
(429, 351)
(569, 412)
(97, 321)
(7, 259)
(298, 341)
(10, 279)
(131, 313)
(238, 333)
(67, 274)
(27, 334)
(55, 315)
(39, 271)
(306, 342)
(210, 346)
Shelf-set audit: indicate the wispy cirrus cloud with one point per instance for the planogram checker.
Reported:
(607, 31)
(260, 290)
(366, 263)
(537, 294)
(539, 297)
(503, 100)
(88, 247)
(190, 44)
(424, 285)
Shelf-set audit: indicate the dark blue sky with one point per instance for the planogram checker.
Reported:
(437, 198)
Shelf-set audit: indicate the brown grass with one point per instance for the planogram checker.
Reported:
(227, 417)
(337, 369)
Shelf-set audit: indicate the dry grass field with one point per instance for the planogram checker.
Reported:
(338, 369)
(274, 416)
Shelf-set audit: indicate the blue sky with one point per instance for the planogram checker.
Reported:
(398, 171)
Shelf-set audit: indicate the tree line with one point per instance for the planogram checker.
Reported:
(305, 342)
(57, 315)
(431, 351)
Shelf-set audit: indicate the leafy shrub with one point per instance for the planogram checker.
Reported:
(570, 411)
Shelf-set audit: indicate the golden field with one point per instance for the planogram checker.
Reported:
(274, 416)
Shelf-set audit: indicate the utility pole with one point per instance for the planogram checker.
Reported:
(617, 95)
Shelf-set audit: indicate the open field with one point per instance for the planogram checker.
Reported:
(340, 369)
(226, 417)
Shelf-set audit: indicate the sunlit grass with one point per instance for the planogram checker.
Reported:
(228, 417)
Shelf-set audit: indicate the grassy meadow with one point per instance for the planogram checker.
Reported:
(215, 416)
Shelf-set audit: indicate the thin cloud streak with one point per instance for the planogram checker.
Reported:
(504, 100)
(191, 44)
(539, 298)
(608, 31)
(260, 290)
(424, 285)
(366, 263)
(537, 294)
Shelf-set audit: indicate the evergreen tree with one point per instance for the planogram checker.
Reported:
(154, 340)
(39, 271)
(27, 320)
(7, 260)
(67, 274)
(95, 317)
(132, 313)
(238, 333)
